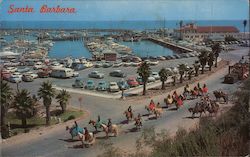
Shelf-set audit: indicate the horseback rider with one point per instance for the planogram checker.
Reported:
(130, 111)
(158, 104)
(175, 96)
(204, 89)
(138, 120)
(109, 125)
(169, 100)
(152, 105)
(86, 134)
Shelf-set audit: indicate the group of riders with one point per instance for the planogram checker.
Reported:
(175, 98)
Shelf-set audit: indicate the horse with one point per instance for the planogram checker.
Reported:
(95, 124)
(213, 109)
(199, 108)
(74, 131)
(114, 129)
(219, 95)
(129, 115)
(138, 123)
(168, 101)
(158, 111)
(149, 110)
(87, 140)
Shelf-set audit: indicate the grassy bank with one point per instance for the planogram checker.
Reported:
(37, 122)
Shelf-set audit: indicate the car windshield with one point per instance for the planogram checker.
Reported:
(90, 83)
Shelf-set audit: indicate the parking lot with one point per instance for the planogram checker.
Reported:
(83, 74)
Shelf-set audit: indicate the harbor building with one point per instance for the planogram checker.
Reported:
(193, 32)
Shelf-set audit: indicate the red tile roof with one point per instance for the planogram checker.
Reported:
(217, 29)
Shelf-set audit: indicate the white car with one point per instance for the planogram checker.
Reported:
(88, 64)
(11, 69)
(15, 79)
(155, 75)
(38, 65)
(75, 74)
(153, 62)
(17, 74)
(117, 64)
(151, 79)
(113, 87)
(32, 74)
(135, 64)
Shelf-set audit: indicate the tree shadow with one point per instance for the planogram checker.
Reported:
(134, 129)
(69, 140)
(124, 122)
(190, 117)
(173, 109)
(15, 126)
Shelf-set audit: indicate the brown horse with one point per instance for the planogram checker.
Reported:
(87, 139)
(158, 111)
(199, 108)
(113, 130)
(213, 109)
(222, 95)
(138, 123)
(129, 115)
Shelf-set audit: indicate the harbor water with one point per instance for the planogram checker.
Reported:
(147, 48)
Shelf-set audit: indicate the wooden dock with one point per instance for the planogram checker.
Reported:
(169, 45)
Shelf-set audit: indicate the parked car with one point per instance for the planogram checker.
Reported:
(98, 65)
(11, 69)
(17, 74)
(75, 74)
(6, 75)
(43, 73)
(155, 75)
(117, 73)
(96, 74)
(78, 66)
(88, 64)
(139, 80)
(132, 82)
(113, 87)
(117, 64)
(32, 74)
(102, 86)
(127, 64)
(38, 65)
(151, 79)
(135, 64)
(15, 79)
(78, 83)
(123, 85)
(62, 73)
(27, 78)
(107, 65)
(23, 69)
(90, 85)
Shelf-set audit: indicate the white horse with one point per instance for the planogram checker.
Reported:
(114, 129)
(87, 140)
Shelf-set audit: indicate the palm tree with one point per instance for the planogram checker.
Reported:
(6, 97)
(196, 67)
(63, 98)
(24, 105)
(47, 93)
(144, 71)
(210, 60)
(182, 70)
(203, 58)
(245, 24)
(164, 74)
(216, 48)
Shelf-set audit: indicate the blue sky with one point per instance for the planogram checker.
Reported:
(122, 10)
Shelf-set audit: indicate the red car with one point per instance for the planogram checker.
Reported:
(132, 82)
(5, 75)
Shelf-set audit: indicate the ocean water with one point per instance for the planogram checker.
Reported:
(136, 25)
(75, 49)
(147, 48)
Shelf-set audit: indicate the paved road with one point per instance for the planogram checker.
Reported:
(52, 144)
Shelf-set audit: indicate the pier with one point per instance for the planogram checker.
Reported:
(169, 45)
